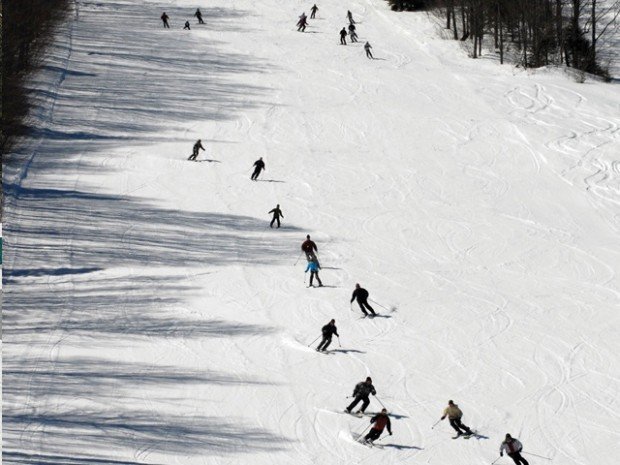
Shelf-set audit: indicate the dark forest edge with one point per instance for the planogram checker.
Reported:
(27, 30)
(543, 32)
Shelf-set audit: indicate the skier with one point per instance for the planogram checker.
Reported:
(313, 11)
(302, 23)
(313, 267)
(343, 35)
(165, 19)
(513, 448)
(352, 33)
(198, 15)
(367, 47)
(195, 150)
(187, 26)
(328, 331)
(350, 17)
(277, 214)
(361, 295)
(381, 420)
(309, 247)
(454, 414)
(259, 165)
(361, 392)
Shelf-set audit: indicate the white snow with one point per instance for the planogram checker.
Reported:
(152, 316)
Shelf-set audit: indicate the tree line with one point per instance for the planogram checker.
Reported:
(27, 28)
(536, 32)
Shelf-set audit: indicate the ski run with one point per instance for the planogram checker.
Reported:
(153, 316)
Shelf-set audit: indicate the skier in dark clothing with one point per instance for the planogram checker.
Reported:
(198, 15)
(277, 214)
(328, 331)
(187, 26)
(259, 165)
(352, 33)
(381, 420)
(195, 150)
(165, 19)
(513, 448)
(313, 11)
(454, 414)
(361, 392)
(343, 37)
(367, 47)
(302, 23)
(313, 267)
(350, 17)
(309, 247)
(361, 295)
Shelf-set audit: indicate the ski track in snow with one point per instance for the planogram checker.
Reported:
(152, 316)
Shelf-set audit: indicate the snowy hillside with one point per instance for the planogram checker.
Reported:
(152, 316)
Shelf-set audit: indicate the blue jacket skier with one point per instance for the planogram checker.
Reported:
(314, 268)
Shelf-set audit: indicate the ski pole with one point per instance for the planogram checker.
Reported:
(536, 455)
(381, 402)
(304, 278)
(339, 345)
(298, 257)
(433, 427)
(365, 429)
(496, 460)
(313, 341)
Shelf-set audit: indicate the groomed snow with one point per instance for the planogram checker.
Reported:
(152, 316)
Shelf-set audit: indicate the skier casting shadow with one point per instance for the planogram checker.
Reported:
(361, 295)
(361, 392)
(313, 11)
(343, 36)
(454, 414)
(381, 421)
(198, 15)
(328, 331)
(277, 214)
(259, 165)
(367, 47)
(195, 150)
(165, 18)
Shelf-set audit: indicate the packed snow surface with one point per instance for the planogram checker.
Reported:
(152, 316)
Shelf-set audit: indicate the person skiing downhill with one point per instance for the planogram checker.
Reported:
(165, 18)
(313, 267)
(343, 37)
(350, 17)
(259, 165)
(367, 47)
(277, 214)
(352, 33)
(313, 11)
(187, 26)
(361, 295)
(454, 414)
(198, 15)
(328, 331)
(309, 247)
(361, 392)
(195, 150)
(302, 23)
(513, 448)
(381, 420)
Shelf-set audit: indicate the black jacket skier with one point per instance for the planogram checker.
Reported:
(165, 18)
(302, 23)
(367, 47)
(350, 17)
(513, 448)
(352, 33)
(277, 214)
(259, 165)
(198, 15)
(361, 295)
(196, 149)
(328, 331)
(343, 36)
(309, 247)
(313, 11)
(380, 420)
(361, 392)
(187, 26)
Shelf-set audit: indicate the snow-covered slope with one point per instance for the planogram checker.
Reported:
(152, 316)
